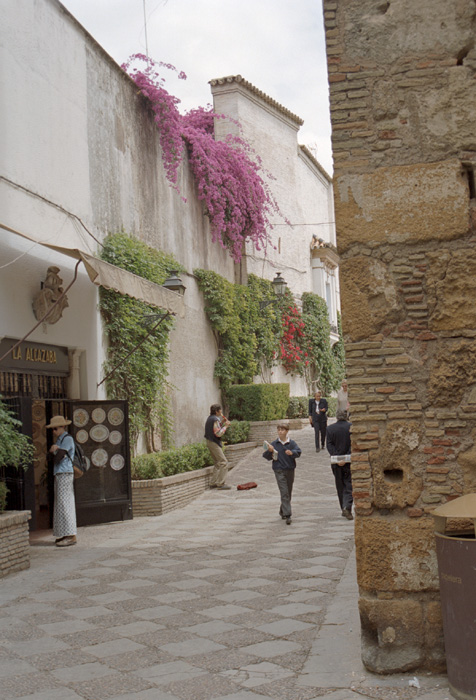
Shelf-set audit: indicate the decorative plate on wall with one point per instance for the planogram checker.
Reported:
(115, 416)
(99, 433)
(115, 437)
(99, 458)
(117, 462)
(98, 415)
(80, 417)
(81, 436)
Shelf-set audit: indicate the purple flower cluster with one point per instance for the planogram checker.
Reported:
(228, 174)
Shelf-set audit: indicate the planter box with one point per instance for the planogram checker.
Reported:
(14, 541)
(235, 453)
(158, 496)
(267, 429)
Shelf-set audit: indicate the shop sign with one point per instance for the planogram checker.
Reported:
(36, 358)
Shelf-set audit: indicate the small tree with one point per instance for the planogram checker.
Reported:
(16, 449)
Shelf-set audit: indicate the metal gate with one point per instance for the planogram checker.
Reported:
(104, 493)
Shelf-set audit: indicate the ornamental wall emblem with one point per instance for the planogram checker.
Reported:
(50, 292)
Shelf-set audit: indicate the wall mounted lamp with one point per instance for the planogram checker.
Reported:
(279, 286)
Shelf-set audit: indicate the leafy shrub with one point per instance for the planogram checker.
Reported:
(3, 496)
(256, 402)
(332, 401)
(185, 459)
(16, 449)
(176, 461)
(298, 407)
(237, 431)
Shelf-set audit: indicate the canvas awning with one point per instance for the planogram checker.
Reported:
(112, 277)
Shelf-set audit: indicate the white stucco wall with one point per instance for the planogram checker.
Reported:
(301, 188)
(81, 158)
(75, 132)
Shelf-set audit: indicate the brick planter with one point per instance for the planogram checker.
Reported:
(267, 429)
(158, 496)
(14, 541)
(235, 453)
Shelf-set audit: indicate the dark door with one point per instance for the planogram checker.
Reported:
(104, 493)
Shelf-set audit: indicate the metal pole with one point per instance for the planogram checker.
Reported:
(162, 318)
(145, 32)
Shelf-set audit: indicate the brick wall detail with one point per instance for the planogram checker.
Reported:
(14, 542)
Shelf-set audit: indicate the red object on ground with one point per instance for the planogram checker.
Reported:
(248, 485)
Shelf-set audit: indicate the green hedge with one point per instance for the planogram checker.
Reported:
(238, 431)
(256, 402)
(170, 462)
(298, 406)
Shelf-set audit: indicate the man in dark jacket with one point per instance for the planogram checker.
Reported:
(283, 452)
(338, 446)
(318, 418)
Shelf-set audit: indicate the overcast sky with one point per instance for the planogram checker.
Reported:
(277, 45)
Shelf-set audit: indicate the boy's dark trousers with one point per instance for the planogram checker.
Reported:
(285, 480)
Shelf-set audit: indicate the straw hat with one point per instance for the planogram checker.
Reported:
(58, 422)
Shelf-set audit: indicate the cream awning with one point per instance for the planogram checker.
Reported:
(112, 277)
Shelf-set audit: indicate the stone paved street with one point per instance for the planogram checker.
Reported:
(220, 599)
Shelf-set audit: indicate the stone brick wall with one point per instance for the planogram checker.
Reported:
(14, 542)
(402, 90)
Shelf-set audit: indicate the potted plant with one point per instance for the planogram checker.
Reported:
(16, 449)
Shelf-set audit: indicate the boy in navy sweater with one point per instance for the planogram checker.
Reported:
(283, 452)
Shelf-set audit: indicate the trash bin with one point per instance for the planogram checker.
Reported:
(456, 553)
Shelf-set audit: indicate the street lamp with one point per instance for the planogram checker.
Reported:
(279, 286)
(174, 283)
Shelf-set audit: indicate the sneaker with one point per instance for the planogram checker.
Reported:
(224, 487)
(213, 486)
(347, 514)
(318, 449)
(288, 521)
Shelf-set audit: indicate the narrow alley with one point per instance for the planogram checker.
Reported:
(220, 599)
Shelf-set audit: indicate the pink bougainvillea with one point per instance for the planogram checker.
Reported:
(229, 176)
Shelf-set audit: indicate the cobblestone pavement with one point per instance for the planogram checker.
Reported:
(219, 600)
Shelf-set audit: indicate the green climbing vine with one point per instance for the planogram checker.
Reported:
(142, 377)
(247, 337)
(251, 340)
(323, 370)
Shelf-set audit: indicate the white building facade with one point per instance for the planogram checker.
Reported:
(81, 159)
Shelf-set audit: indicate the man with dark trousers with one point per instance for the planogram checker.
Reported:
(338, 446)
(215, 427)
(318, 419)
